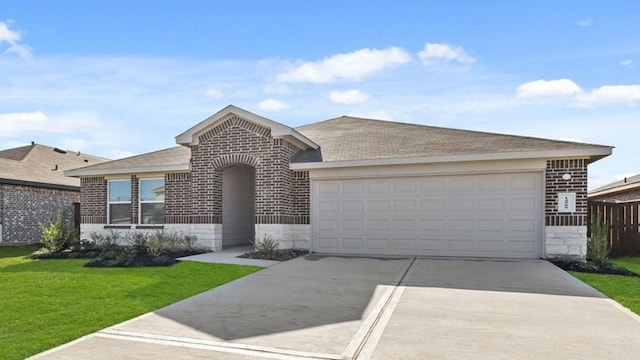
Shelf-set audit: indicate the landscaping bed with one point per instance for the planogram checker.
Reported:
(275, 255)
(606, 268)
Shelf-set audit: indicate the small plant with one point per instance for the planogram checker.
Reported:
(597, 244)
(265, 245)
(106, 240)
(59, 235)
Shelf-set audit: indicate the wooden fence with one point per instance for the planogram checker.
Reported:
(624, 222)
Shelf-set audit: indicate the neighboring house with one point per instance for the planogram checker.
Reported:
(33, 189)
(627, 189)
(351, 186)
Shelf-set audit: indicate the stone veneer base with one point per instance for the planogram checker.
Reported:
(566, 241)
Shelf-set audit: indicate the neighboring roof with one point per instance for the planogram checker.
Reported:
(191, 136)
(172, 159)
(356, 139)
(42, 166)
(628, 183)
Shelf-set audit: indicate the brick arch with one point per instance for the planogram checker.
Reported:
(227, 160)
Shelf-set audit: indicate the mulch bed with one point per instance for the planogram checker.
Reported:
(590, 267)
(277, 255)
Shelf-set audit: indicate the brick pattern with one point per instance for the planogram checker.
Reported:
(25, 207)
(301, 197)
(554, 184)
(177, 207)
(93, 200)
(134, 199)
(237, 141)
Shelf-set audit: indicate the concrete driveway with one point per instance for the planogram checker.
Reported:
(326, 307)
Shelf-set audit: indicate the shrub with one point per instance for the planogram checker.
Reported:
(266, 244)
(597, 244)
(111, 239)
(59, 235)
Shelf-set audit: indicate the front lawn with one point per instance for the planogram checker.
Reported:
(45, 303)
(623, 289)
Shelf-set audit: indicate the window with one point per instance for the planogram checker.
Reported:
(119, 201)
(151, 201)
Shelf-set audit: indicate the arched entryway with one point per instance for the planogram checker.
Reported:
(238, 205)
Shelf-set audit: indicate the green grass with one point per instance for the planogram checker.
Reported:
(45, 303)
(623, 289)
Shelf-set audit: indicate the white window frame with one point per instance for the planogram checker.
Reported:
(140, 201)
(109, 202)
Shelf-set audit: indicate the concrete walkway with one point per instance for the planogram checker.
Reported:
(390, 308)
(230, 256)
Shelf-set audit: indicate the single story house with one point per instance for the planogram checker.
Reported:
(351, 186)
(33, 189)
(625, 190)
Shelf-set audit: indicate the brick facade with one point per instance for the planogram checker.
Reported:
(93, 200)
(195, 197)
(237, 141)
(23, 208)
(554, 184)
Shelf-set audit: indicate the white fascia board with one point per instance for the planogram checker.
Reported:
(190, 137)
(430, 169)
(551, 154)
(130, 170)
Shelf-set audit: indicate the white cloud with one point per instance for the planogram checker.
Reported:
(435, 54)
(626, 62)
(214, 93)
(26, 123)
(14, 124)
(351, 66)
(548, 88)
(610, 94)
(584, 22)
(351, 96)
(13, 38)
(272, 105)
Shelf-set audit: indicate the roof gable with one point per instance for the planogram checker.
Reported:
(194, 134)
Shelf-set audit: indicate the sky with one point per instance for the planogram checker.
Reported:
(117, 78)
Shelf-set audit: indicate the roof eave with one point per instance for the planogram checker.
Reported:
(614, 190)
(593, 154)
(126, 170)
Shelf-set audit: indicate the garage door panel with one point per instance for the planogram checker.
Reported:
(491, 215)
(378, 244)
(404, 244)
(378, 206)
(349, 243)
(377, 225)
(352, 225)
(433, 204)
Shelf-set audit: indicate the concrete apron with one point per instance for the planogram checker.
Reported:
(345, 308)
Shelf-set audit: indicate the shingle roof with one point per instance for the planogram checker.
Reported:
(349, 138)
(176, 157)
(42, 164)
(627, 183)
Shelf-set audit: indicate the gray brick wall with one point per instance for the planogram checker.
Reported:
(554, 184)
(24, 207)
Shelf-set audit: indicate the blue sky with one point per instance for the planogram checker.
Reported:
(117, 78)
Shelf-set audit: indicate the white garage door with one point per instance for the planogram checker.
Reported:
(489, 215)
